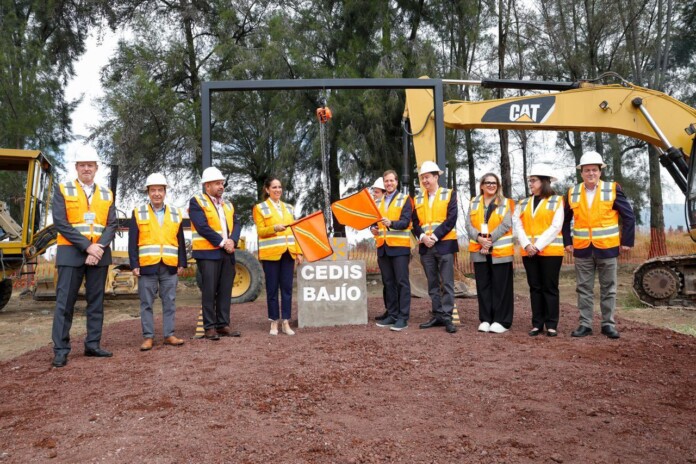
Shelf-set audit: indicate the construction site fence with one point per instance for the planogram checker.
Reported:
(678, 244)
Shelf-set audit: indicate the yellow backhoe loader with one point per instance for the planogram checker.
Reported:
(26, 180)
(624, 108)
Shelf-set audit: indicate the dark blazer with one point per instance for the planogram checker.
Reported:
(134, 255)
(628, 228)
(401, 224)
(200, 221)
(443, 247)
(75, 255)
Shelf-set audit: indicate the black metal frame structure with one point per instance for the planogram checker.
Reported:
(211, 87)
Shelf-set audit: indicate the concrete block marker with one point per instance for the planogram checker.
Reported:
(331, 293)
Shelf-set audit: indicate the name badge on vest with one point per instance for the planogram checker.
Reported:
(89, 217)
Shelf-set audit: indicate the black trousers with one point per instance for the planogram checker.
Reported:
(218, 278)
(69, 281)
(495, 292)
(542, 277)
(397, 288)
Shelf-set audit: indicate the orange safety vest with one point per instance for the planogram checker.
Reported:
(503, 246)
(431, 217)
(199, 242)
(596, 224)
(536, 223)
(394, 238)
(76, 206)
(273, 244)
(158, 242)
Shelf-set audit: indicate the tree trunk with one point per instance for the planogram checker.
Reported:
(658, 244)
(195, 83)
(470, 152)
(503, 26)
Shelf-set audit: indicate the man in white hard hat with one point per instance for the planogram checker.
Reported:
(595, 239)
(215, 232)
(393, 237)
(157, 253)
(85, 218)
(434, 221)
(378, 189)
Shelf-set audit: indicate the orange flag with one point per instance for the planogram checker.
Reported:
(310, 235)
(357, 211)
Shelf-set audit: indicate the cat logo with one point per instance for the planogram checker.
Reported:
(528, 111)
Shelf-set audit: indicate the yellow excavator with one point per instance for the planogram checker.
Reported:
(624, 108)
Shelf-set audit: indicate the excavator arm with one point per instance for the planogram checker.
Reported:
(637, 112)
(625, 109)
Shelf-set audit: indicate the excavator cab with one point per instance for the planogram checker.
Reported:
(26, 181)
(691, 193)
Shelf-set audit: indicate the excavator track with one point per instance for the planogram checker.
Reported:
(667, 281)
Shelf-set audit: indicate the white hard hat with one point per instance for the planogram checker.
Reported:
(542, 170)
(591, 157)
(211, 175)
(86, 158)
(156, 179)
(379, 183)
(429, 166)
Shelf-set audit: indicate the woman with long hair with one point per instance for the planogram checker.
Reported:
(489, 225)
(538, 223)
(278, 252)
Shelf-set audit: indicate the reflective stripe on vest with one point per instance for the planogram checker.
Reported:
(76, 206)
(502, 247)
(158, 242)
(198, 242)
(392, 237)
(432, 217)
(271, 248)
(596, 224)
(536, 222)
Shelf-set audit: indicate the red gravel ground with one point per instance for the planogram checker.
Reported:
(358, 394)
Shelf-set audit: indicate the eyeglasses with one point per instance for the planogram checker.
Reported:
(490, 184)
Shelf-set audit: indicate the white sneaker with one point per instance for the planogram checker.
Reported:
(484, 327)
(497, 328)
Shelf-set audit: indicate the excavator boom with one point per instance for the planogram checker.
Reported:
(625, 109)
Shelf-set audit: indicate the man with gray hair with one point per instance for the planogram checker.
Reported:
(594, 207)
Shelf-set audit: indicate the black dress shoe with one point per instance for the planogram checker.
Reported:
(434, 322)
(98, 353)
(450, 327)
(581, 331)
(227, 332)
(551, 333)
(60, 360)
(610, 331)
(534, 332)
(382, 316)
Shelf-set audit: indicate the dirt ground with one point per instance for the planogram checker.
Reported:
(352, 394)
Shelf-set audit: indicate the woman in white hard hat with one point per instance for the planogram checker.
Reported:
(489, 225)
(278, 252)
(538, 223)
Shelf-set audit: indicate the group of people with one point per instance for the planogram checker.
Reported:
(85, 219)
(594, 222)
